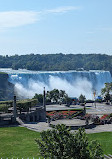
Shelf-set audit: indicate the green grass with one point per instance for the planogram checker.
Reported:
(18, 142)
(105, 139)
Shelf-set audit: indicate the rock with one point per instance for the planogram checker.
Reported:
(6, 88)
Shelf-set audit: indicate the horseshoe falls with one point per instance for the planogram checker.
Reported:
(27, 83)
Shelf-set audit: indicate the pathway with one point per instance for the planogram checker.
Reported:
(44, 126)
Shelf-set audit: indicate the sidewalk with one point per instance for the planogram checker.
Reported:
(100, 128)
(44, 126)
(38, 126)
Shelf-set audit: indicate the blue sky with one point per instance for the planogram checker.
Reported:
(55, 26)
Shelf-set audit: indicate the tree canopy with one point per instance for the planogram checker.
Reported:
(56, 96)
(53, 96)
(39, 97)
(82, 98)
(60, 143)
(57, 62)
(106, 91)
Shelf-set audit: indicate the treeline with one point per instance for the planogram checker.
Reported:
(57, 62)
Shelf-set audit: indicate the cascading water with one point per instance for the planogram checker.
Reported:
(27, 83)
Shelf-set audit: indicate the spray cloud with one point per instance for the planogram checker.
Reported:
(74, 89)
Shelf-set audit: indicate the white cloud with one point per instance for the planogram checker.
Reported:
(62, 9)
(10, 19)
(17, 18)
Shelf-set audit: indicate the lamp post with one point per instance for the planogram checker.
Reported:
(44, 102)
(14, 108)
(94, 93)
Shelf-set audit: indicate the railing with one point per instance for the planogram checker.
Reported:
(108, 156)
(105, 157)
(23, 158)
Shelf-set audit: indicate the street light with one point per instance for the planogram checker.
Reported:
(94, 94)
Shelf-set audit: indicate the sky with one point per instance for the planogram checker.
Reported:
(55, 26)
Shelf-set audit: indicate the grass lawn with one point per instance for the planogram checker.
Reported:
(18, 142)
(105, 139)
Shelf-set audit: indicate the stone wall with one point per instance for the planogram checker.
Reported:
(39, 115)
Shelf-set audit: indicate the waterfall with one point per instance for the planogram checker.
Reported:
(27, 83)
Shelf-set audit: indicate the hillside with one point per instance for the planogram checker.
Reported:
(57, 62)
(6, 88)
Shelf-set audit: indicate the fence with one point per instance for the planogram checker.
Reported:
(105, 157)
(23, 158)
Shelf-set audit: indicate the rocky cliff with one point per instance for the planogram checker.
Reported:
(6, 88)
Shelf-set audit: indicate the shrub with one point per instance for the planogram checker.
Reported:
(60, 143)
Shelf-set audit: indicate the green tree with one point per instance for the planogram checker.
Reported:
(63, 96)
(82, 98)
(106, 91)
(60, 143)
(56, 96)
(57, 62)
(39, 97)
(53, 95)
(68, 101)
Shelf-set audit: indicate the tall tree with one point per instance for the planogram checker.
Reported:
(56, 96)
(106, 91)
(39, 97)
(82, 98)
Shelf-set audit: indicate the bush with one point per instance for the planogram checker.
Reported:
(60, 143)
